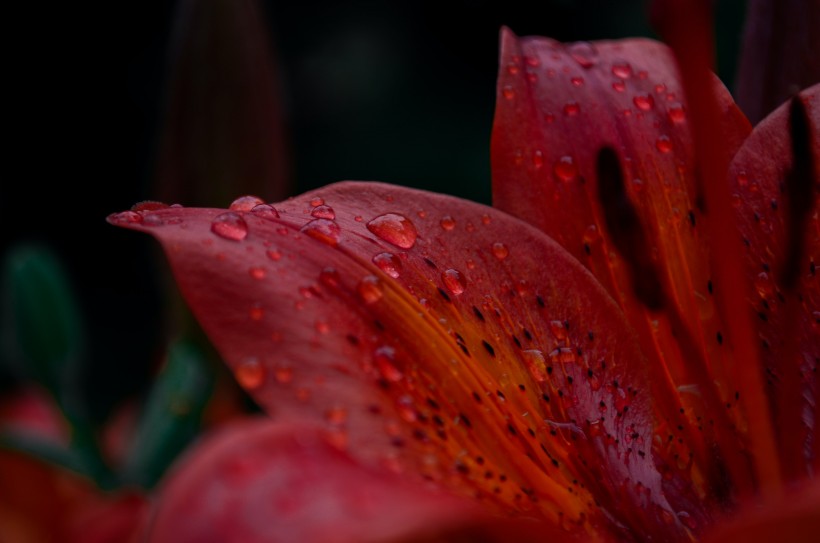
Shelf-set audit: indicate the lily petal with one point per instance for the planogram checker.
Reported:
(431, 336)
(775, 179)
(257, 481)
(591, 144)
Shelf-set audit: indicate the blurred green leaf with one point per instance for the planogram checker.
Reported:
(172, 415)
(42, 328)
(47, 451)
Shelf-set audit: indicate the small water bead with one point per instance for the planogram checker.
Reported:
(283, 374)
(742, 179)
(336, 415)
(245, 203)
(389, 264)
(406, 408)
(500, 250)
(152, 220)
(622, 70)
(572, 109)
(565, 168)
(764, 285)
(486, 219)
(512, 68)
(256, 312)
(127, 217)
(508, 92)
(324, 230)
(537, 159)
(395, 229)
(257, 273)
(274, 254)
(230, 226)
(536, 364)
(584, 53)
(447, 222)
(329, 277)
(532, 62)
(317, 201)
(644, 102)
(591, 234)
(676, 113)
(323, 212)
(660, 88)
(559, 331)
(322, 327)
(576, 81)
(549, 117)
(384, 359)
(265, 211)
(619, 85)
(664, 144)
(250, 373)
(370, 289)
(454, 281)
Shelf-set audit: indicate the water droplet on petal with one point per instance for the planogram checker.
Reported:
(512, 68)
(384, 358)
(370, 289)
(394, 228)
(565, 168)
(677, 113)
(256, 312)
(644, 102)
(317, 201)
(536, 364)
(257, 273)
(283, 374)
(591, 234)
(571, 109)
(622, 70)
(230, 226)
(323, 212)
(447, 222)
(389, 264)
(329, 277)
(324, 230)
(250, 373)
(576, 81)
(537, 159)
(742, 179)
(322, 327)
(274, 254)
(265, 211)
(245, 203)
(508, 92)
(454, 281)
(584, 53)
(558, 330)
(336, 415)
(619, 85)
(500, 250)
(664, 144)
(127, 217)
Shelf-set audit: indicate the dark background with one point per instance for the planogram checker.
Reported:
(401, 92)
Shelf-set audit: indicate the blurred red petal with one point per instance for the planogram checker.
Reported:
(433, 336)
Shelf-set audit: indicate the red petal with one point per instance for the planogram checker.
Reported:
(260, 481)
(642, 200)
(775, 179)
(433, 336)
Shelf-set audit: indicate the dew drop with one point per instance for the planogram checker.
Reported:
(619, 85)
(512, 68)
(500, 250)
(384, 358)
(274, 254)
(127, 217)
(576, 81)
(537, 159)
(250, 373)
(454, 281)
(317, 201)
(245, 203)
(323, 212)
(644, 102)
(559, 331)
(571, 109)
(394, 228)
(325, 230)
(584, 53)
(406, 409)
(591, 234)
(389, 264)
(283, 374)
(230, 226)
(676, 113)
(329, 277)
(742, 179)
(257, 273)
(256, 312)
(265, 211)
(664, 144)
(508, 92)
(370, 289)
(622, 70)
(447, 222)
(322, 327)
(565, 168)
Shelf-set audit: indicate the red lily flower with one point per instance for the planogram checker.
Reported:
(618, 384)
